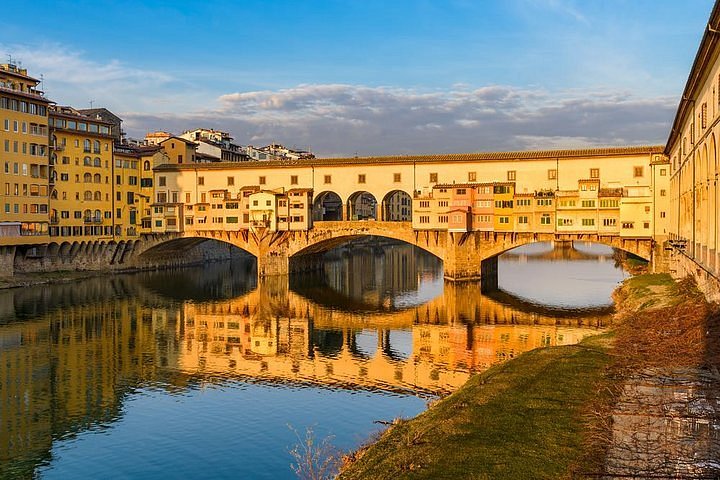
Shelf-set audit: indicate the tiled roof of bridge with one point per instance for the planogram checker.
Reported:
(433, 158)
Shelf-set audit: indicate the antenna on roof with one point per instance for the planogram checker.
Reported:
(10, 60)
(91, 103)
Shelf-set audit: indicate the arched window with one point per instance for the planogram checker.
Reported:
(53, 194)
(98, 215)
(97, 196)
(97, 162)
(87, 178)
(146, 165)
(87, 161)
(98, 178)
(96, 146)
(87, 214)
(87, 195)
(86, 145)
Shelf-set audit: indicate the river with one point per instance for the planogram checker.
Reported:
(206, 373)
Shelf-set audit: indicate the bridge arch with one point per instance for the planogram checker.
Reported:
(329, 243)
(396, 206)
(327, 206)
(639, 247)
(362, 205)
(163, 248)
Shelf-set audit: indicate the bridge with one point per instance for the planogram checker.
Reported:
(465, 256)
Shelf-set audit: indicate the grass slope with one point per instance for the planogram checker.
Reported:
(519, 420)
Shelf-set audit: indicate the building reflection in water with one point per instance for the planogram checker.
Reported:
(378, 321)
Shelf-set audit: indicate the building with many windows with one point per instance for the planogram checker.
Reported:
(25, 176)
(82, 197)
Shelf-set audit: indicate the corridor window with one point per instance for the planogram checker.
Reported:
(511, 175)
(293, 179)
(261, 180)
(396, 177)
(472, 176)
(637, 172)
(594, 173)
(552, 174)
(328, 179)
(361, 178)
(433, 178)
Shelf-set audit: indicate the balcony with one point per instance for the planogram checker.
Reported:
(57, 147)
(96, 220)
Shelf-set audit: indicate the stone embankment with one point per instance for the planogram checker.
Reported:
(664, 417)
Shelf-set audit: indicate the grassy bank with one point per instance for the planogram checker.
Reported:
(545, 414)
(520, 419)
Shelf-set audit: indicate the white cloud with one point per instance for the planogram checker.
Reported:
(344, 119)
(72, 79)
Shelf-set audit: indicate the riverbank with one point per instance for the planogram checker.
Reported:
(556, 412)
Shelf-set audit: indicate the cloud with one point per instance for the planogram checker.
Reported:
(72, 79)
(339, 119)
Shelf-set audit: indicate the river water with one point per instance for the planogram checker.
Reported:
(206, 373)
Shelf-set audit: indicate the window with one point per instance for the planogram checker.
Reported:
(594, 173)
(433, 178)
(662, 214)
(504, 220)
(646, 224)
(161, 181)
(663, 172)
(424, 219)
(396, 177)
(442, 218)
(511, 175)
(628, 225)
(201, 181)
(361, 178)
(261, 180)
(545, 219)
(523, 219)
(230, 181)
(647, 209)
(552, 174)
(609, 222)
(637, 172)
(328, 179)
(472, 176)
(180, 159)
(293, 179)
(588, 222)
(588, 203)
(424, 204)
(703, 115)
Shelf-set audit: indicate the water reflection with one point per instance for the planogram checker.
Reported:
(73, 354)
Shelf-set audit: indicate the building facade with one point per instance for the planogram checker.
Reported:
(26, 175)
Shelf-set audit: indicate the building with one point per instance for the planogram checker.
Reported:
(215, 146)
(83, 195)
(179, 150)
(26, 175)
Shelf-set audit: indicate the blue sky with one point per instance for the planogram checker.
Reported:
(369, 77)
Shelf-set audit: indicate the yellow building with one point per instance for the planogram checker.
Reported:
(692, 148)
(503, 195)
(82, 200)
(24, 155)
(179, 150)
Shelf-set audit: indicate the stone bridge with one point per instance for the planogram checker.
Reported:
(465, 256)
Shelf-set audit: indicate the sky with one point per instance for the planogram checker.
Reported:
(370, 77)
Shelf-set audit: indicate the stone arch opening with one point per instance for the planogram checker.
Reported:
(397, 207)
(362, 206)
(327, 207)
(181, 247)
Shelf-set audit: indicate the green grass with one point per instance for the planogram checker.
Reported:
(643, 292)
(519, 420)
